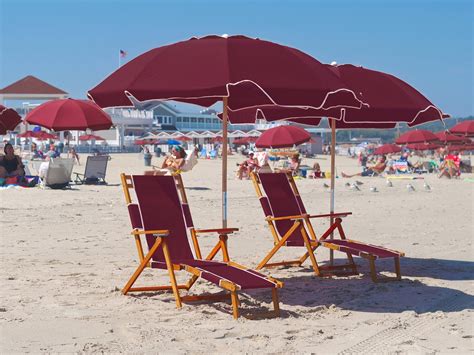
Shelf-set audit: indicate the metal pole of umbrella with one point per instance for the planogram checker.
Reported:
(224, 162)
(333, 180)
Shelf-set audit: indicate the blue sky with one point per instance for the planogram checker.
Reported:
(75, 44)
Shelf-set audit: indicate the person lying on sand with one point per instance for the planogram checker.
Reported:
(374, 170)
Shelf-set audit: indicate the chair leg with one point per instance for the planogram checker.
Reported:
(397, 268)
(276, 301)
(278, 246)
(172, 276)
(375, 278)
(235, 304)
(142, 266)
(310, 252)
(373, 272)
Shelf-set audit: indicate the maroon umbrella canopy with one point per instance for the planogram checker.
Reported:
(184, 139)
(41, 135)
(465, 128)
(89, 137)
(387, 149)
(460, 148)
(448, 138)
(417, 136)
(203, 70)
(283, 137)
(9, 119)
(423, 146)
(69, 114)
(390, 100)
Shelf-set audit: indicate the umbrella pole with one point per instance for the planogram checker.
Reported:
(224, 163)
(333, 180)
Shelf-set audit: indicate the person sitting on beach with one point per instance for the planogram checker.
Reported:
(52, 152)
(374, 170)
(249, 165)
(317, 173)
(10, 164)
(176, 160)
(450, 167)
(37, 154)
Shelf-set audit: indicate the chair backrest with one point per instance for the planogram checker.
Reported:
(96, 167)
(159, 207)
(190, 161)
(281, 200)
(59, 171)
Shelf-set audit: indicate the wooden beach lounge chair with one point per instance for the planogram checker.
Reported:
(291, 226)
(162, 214)
(94, 173)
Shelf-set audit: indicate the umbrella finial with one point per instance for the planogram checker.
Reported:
(225, 35)
(333, 63)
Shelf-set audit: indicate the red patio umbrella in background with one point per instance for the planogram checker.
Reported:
(237, 70)
(465, 128)
(41, 135)
(387, 149)
(460, 147)
(417, 136)
(9, 119)
(184, 139)
(423, 146)
(69, 114)
(283, 137)
(448, 138)
(217, 139)
(90, 137)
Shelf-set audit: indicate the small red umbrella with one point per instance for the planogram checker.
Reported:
(184, 139)
(423, 146)
(90, 137)
(448, 138)
(387, 149)
(417, 136)
(282, 137)
(41, 135)
(460, 148)
(9, 119)
(145, 141)
(242, 140)
(69, 114)
(465, 128)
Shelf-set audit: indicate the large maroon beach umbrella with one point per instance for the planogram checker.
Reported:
(9, 119)
(237, 70)
(282, 137)
(449, 138)
(69, 114)
(465, 128)
(423, 146)
(417, 136)
(387, 149)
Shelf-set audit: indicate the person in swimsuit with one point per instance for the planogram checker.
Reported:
(176, 160)
(10, 164)
(374, 170)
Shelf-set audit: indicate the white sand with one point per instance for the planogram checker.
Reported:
(66, 254)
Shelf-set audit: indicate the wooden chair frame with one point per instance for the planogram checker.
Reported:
(311, 242)
(162, 235)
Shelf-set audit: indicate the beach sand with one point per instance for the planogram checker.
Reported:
(66, 254)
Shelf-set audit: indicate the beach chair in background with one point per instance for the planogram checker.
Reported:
(95, 170)
(401, 167)
(58, 175)
(291, 226)
(163, 216)
(213, 154)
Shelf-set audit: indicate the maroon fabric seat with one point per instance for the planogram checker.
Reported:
(160, 208)
(355, 248)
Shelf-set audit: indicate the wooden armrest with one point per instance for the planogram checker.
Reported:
(156, 232)
(220, 231)
(300, 216)
(341, 214)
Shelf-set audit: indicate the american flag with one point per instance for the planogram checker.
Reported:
(123, 54)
